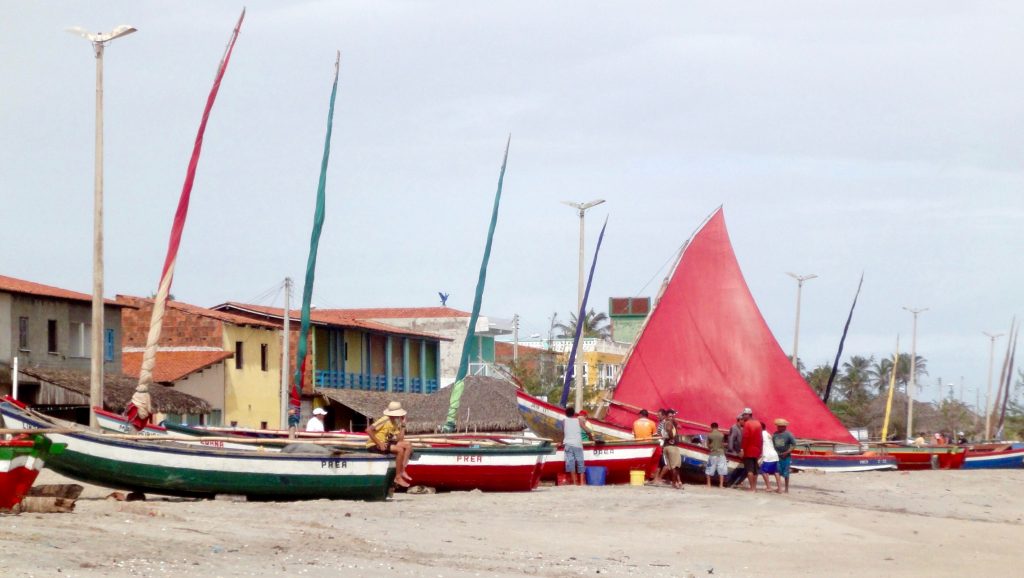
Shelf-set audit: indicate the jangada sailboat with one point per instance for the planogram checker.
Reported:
(706, 351)
(168, 467)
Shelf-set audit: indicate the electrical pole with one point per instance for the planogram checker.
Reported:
(98, 41)
(913, 372)
(796, 333)
(286, 339)
(581, 315)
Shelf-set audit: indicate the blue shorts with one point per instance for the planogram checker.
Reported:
(770, 467)
(784, 466)
(573, 459)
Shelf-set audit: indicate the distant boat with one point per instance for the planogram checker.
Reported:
(994, 456)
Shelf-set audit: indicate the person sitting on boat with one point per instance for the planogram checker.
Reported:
(316, 423)
(784, 444)
(387, 436)
(643, 427)
(572, 444)
(919, 441)
(961, 439)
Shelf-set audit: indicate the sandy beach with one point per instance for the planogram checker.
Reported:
(943, 523)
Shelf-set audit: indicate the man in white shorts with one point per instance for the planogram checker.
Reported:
(716, 456)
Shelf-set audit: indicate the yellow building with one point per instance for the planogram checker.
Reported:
(252, 378)
(231, 361)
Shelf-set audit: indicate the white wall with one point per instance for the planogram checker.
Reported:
(207, 384)
(8, 332)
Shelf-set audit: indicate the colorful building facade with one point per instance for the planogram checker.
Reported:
(232, 361)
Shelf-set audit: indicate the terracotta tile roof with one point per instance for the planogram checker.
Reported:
(203, 311)
(402, 313)
(334, 317)
(174, 364)
(12, 285)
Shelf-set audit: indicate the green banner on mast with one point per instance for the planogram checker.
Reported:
(459, 385)
(314, 244)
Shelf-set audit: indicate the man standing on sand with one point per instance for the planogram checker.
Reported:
(751, 446)
(769, 461)
(784, 443)
(735, 447)
(643, 427)
(716, 456)
(670, 451)
(572, 444)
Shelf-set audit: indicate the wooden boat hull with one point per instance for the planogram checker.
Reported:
(21, 460)
(508, 468)
(998, 459)
(545, 419)
(195, 471)
(835, 463)
(925, 458)
(619, 457)
(504, 469)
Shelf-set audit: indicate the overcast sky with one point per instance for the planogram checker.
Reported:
(840, 136)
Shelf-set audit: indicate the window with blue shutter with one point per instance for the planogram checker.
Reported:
(108, 345)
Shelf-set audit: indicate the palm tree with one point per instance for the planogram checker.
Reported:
(856, 378)
(880, 372)
(594, 325)
(817, 378)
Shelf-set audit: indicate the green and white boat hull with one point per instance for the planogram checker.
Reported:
(197, 471)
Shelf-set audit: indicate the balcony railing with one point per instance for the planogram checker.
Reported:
(373, 382)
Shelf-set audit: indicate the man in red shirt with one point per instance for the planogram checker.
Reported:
(751, 446)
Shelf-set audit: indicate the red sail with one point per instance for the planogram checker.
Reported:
(707, 352)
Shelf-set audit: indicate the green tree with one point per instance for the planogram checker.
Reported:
(854, 386)
(537, 381)
(594, 325)
(817, 378)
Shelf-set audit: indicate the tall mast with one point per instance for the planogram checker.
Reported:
(457, 387)
(160, 301)
(314, 245)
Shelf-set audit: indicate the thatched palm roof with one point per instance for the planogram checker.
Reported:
(118, 390)
(488, 405)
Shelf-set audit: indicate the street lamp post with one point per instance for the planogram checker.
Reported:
(988, 396)
(578, 373)
(98, 40)
(913, 373)
(796, 333)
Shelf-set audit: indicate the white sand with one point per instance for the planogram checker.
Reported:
(961, 523)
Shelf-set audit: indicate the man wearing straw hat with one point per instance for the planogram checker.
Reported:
(784, 442)
(387, 436)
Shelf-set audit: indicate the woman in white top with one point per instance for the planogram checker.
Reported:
(770, 463)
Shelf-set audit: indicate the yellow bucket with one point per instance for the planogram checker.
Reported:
(636, 477)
